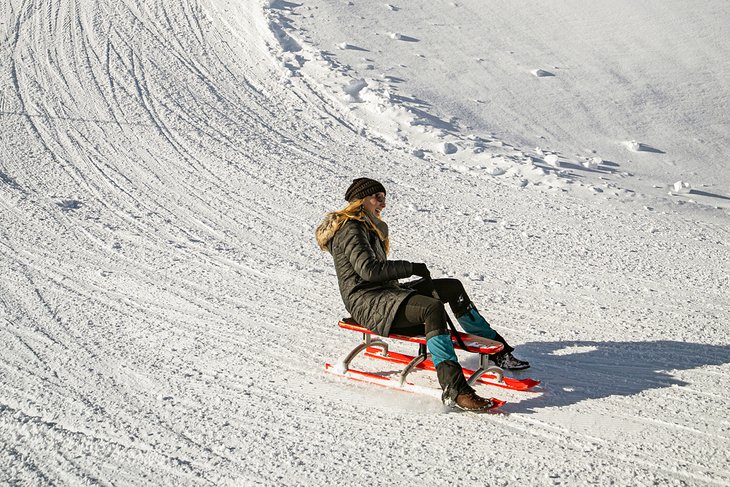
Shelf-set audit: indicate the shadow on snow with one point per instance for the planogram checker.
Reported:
(573, 371)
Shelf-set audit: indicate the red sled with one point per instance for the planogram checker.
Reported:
(379, 380)
(375, 347)
(490, 379)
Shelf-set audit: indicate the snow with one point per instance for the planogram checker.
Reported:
(353, 89)
(682, 187)
(447, 148)
(552, 160)
(541, 73)
(166, 315)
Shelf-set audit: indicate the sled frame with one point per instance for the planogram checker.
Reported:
(371, 340)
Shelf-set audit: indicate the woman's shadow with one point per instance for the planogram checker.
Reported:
(573, 371)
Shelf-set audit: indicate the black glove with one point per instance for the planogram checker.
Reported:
(420, 269)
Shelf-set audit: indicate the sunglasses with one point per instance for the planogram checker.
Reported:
(379, 197)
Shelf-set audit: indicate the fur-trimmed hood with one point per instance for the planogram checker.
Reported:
(334, 220)
(327, 229)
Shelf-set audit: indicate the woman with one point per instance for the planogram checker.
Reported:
(358, 240)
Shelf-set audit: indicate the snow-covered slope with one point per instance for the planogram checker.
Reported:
(165, 314)
(579, 79)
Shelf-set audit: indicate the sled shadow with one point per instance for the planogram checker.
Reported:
(573, 371)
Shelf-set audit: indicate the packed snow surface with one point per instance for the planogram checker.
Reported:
(166, 315)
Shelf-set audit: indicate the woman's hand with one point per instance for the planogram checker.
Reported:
(420, 269)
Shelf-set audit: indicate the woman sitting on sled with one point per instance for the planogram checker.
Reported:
(358, 240)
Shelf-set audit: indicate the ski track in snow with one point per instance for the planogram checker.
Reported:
(165, 314)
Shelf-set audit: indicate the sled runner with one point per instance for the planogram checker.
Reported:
(373, 346)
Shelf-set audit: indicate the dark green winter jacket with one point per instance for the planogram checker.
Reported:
(368, 281)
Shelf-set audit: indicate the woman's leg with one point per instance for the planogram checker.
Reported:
(417, 309)
(448, 290)
(452, 291)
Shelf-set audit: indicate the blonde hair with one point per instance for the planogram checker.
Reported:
(334, 220)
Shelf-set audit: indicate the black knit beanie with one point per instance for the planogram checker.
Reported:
(362, 187)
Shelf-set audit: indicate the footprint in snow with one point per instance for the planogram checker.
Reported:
(69, 205)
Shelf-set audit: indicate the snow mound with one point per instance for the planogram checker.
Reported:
(495, 171)
(633, 145)
(353, 89)
(447, 148)
(418, 153)
(553, 160)
(592, 163)
(682, 187)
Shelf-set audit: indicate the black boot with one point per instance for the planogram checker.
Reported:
(457, 393)
(506, 360)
